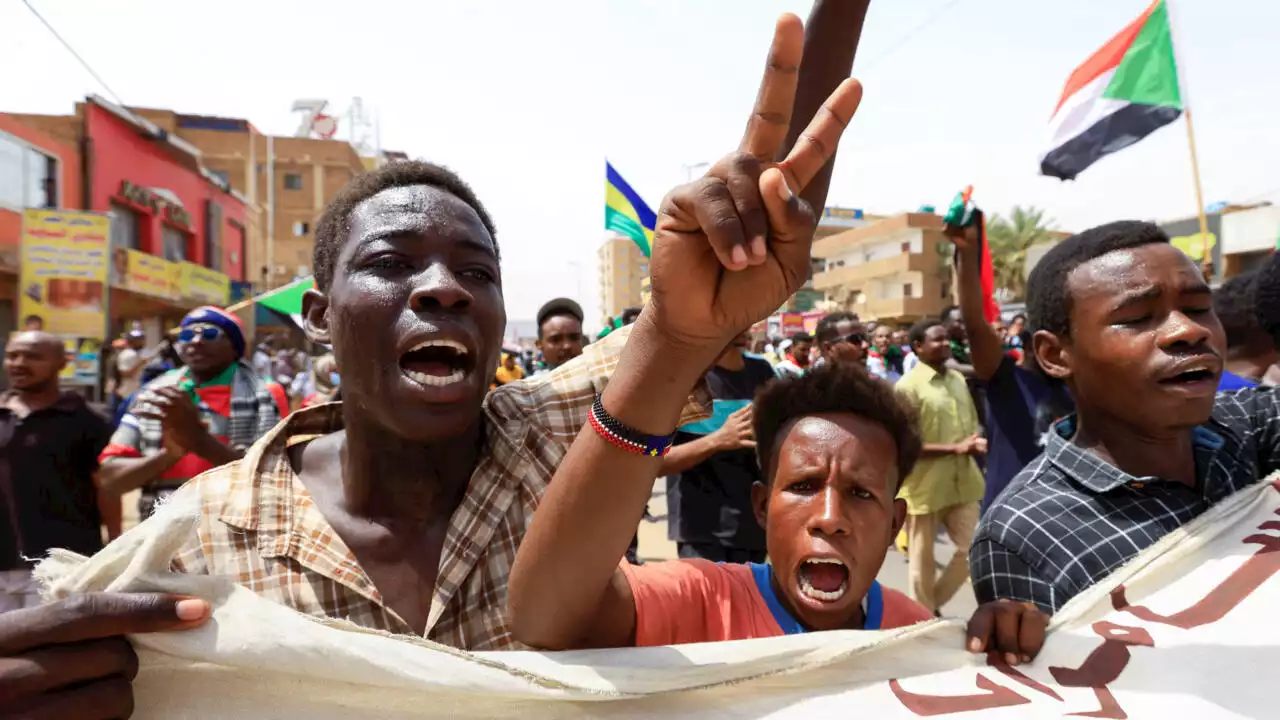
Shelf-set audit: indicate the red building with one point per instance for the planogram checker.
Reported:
(161, 198)
(162, 201)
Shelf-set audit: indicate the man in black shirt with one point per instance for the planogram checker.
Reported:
(1126, 320)
(49, 445)
(712, 466)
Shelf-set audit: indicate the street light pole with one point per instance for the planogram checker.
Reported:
(577, 277)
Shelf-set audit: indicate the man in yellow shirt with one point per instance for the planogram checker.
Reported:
(508, 371)
(946, 485)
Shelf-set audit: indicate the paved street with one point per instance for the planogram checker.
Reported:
(654, 545)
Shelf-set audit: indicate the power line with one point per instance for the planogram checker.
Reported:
(72, 50)
(910, 34)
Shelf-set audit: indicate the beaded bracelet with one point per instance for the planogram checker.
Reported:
(625, 438)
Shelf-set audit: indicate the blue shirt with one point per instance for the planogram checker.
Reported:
(1016, 422)
(872, 602)
(1232, 381)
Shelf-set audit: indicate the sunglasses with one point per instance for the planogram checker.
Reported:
(854, 338)
(207, 333)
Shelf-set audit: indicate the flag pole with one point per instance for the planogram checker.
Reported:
(1206, 259)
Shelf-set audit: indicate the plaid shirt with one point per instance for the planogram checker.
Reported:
(260, 527)
(1069, 518)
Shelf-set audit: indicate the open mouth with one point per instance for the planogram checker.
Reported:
(1192, 375)
(437, 363)
(823, 579)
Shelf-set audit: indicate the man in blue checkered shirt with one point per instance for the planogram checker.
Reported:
(1126, 320)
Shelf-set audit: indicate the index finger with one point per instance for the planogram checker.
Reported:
(818, 142)
(98, 615)
(771, 116)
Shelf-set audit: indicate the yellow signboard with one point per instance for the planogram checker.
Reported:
(143, 273)
(64, 272)
(63, 283)
(204, 285)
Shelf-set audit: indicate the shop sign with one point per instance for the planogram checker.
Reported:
(143, 273)
(63, 283)
(204, 285)
(143, 197)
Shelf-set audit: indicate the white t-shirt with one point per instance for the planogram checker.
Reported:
(126, 362)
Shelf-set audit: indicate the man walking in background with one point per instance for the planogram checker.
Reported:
(946, 484)
(129, 363)
(49, 445)
(712, 466)
(795, 360)
(560, 336)
(841, 336)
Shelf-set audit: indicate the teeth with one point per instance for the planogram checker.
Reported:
(451, 344)
(822, 595)
(436, 380)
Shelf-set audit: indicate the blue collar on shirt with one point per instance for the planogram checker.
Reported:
(872, 604)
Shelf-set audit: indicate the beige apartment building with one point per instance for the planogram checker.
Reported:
(623, 269)
(289, 193)
(890, 271)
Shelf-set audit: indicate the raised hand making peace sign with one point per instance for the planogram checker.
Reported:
(732, 246)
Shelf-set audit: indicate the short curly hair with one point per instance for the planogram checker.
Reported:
(825, 331)
(1048, 302)
(1234, 302)
(918, 331)
(334, 225)
(834, 387)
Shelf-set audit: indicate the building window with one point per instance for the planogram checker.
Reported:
(125, 228)
(222, 175)
(28, 177)
(906, 247)
(175, 244)
(301, 229)
(292, 181)
(906, 290)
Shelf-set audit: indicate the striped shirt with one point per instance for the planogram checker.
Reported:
(260, 527)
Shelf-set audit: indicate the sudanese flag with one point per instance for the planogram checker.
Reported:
(1121, 94)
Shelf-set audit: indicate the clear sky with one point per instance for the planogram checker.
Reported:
(526, 99)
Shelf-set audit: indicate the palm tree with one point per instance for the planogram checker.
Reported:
(1010, 239)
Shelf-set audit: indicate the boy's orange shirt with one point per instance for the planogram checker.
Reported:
(689, 601)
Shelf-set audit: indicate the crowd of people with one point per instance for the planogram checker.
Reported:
(443, 496)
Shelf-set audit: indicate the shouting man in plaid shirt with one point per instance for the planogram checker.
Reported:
(1126, 320)
(401, 507)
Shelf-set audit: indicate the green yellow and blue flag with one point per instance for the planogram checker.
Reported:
(625, 212)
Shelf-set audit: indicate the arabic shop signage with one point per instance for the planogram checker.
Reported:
(143, 197)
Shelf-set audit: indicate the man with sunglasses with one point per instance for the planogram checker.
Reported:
(841, 335)
(193, 419)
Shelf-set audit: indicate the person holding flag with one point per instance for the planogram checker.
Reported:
(1022, 402)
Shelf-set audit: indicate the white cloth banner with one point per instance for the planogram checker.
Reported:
(1187, 630)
